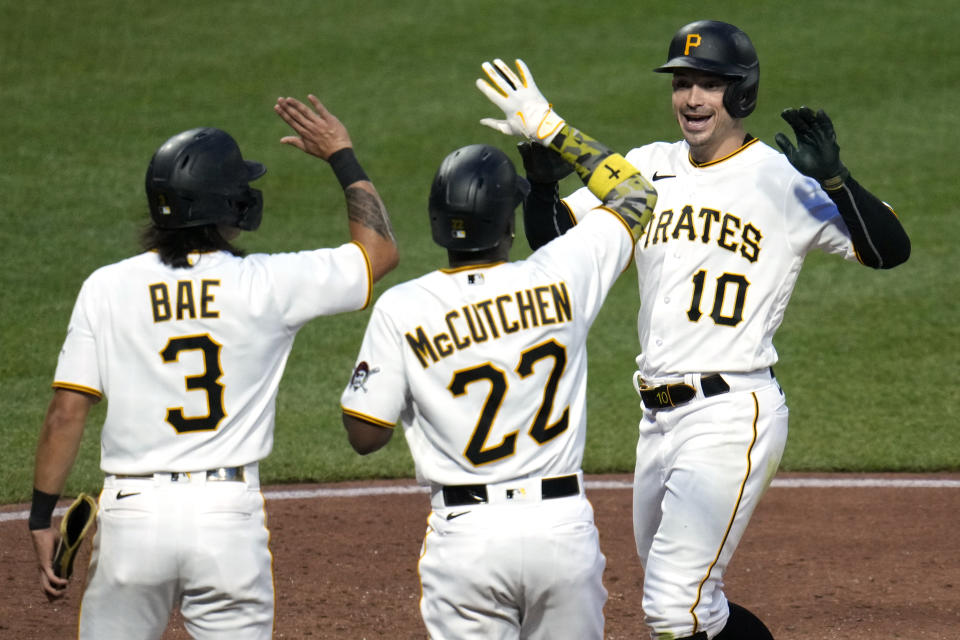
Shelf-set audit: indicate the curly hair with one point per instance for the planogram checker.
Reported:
(175, 245)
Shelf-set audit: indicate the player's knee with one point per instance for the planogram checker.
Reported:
(743, 625)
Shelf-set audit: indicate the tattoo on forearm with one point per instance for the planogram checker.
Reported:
(368, 210)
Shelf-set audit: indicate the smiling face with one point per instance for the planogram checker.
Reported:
(705, 123)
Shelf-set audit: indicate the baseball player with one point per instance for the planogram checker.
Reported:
(188, 342)
(484, 364)
(733, 222)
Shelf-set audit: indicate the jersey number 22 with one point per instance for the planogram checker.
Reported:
(477, 450)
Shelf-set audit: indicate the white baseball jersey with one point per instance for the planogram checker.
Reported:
(720, 258)
(486, 366)
(190, 359)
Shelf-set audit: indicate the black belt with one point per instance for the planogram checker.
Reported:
(671, 395)
(466, 494)
(220, 474)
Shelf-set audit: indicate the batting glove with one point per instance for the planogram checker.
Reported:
(543, 164)
(817, 153)
(76, 522)
(528, 114)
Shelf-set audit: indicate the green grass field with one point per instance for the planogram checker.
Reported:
(89, 90)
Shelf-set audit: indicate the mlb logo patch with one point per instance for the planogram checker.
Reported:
(165, 209)
(458, 228)
(474, 278)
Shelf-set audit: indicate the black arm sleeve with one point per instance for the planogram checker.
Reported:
(545, 217)
(878, 237)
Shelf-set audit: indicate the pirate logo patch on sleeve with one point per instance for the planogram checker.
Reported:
(360, 376)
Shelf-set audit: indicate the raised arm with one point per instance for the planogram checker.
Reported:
(878, 237)
(528, 115)
(321, 134)
(544, 215)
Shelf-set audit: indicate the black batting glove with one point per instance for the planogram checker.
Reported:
(543, 164)
(817, 153)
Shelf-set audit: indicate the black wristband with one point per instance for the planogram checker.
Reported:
(835, 183)
(41, 511)
(346, 168)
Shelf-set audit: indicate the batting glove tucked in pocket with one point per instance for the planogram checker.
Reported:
(73, 529)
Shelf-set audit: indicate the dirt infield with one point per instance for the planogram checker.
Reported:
(847, 563)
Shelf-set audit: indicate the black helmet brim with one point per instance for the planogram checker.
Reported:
(254, 170)
(699, 64)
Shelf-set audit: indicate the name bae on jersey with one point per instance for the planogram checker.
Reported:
(491, 319)
(185, 303)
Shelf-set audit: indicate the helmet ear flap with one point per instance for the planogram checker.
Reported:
(740, 97)
(250, 210)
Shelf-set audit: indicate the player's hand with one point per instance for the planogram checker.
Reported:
(319, 132)
(527, 112)
(44, 543)
(543, 164)
(817, 153)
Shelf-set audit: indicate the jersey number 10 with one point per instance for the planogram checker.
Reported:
(736, 317)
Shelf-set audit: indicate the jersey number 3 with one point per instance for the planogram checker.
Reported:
(208, 381)
(477, 451)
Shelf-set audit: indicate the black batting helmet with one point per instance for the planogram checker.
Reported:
(722, 49)
(198, 177)
(473, 198)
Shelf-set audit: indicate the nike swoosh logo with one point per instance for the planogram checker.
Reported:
(662, 176)
(451, 516)
(121, 495)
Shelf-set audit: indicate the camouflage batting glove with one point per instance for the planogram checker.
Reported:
(817, 153)
(527, 112)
